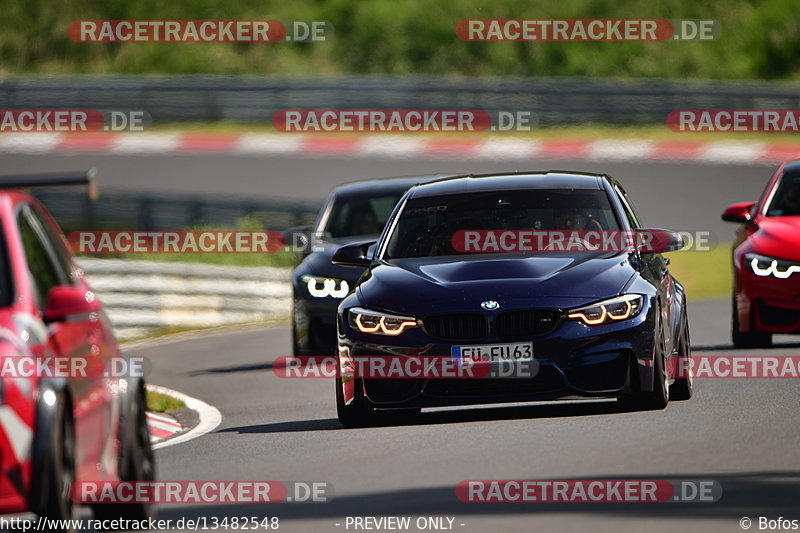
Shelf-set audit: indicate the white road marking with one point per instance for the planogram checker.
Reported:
(144, 143)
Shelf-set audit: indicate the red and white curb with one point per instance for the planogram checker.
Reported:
(162, 428)
(399, 146)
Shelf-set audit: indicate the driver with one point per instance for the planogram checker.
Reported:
(571, 219)
(363, 220)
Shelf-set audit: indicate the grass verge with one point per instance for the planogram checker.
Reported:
(161, 403)
(706, 275)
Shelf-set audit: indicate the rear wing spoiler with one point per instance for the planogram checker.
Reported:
(53, 179)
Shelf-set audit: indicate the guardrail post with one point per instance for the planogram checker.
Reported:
(146, 213)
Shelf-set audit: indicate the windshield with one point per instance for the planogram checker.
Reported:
(355, 216)
(426, 225)
(6, 285)
(786, 200)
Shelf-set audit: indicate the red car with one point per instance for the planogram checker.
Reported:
(766, 261)
(59, 428)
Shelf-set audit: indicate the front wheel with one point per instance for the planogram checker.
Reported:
(683, 387)
(59, 505)
(658, 398)
(356, 413)
(296, 350)
(137, 464)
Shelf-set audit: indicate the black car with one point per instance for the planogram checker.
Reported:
(604, 324)
(354, 212)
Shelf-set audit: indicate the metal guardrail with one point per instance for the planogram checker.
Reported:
(142, 296)
(255, 99)
(131, 210)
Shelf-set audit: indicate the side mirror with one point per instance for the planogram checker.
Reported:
(738, 212)
(297, 237)
(658, 241)
(355, 255)
(65, 301)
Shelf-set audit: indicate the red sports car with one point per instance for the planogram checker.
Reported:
(766, 261)
(57, 427)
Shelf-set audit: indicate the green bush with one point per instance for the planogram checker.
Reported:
(760, 39)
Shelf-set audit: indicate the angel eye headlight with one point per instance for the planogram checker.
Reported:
(608, 311)
(764, 266)
(378, 323)
(321, 287)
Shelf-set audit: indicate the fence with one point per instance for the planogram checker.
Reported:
(143, 296)
(255, 99)
(149, 212)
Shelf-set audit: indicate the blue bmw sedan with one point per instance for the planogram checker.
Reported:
(593, 322)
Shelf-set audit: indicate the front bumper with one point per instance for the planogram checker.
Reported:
(574, 361)
(767, 304)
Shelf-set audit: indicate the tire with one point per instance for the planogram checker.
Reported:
(137, 464)
(747, 340)
(658, 398)
(296, 351)
(356, 414)
(683, 388)
(59, 504)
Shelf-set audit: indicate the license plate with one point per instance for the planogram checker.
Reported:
(493, 353)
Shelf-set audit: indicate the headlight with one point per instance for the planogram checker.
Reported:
(607, 311)
(320, 287)
(762, 265)
(378, 323)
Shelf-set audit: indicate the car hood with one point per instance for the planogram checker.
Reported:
(429, 285)
(778, 237)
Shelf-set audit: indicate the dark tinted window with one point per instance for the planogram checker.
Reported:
(43, 270)
(6, 283)
(54, 242)
(426, 225)
(353, 216)
(786, 200)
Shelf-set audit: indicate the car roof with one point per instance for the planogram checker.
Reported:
(386, 185)
(17, 196)
(791, 166)
(551, 179)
